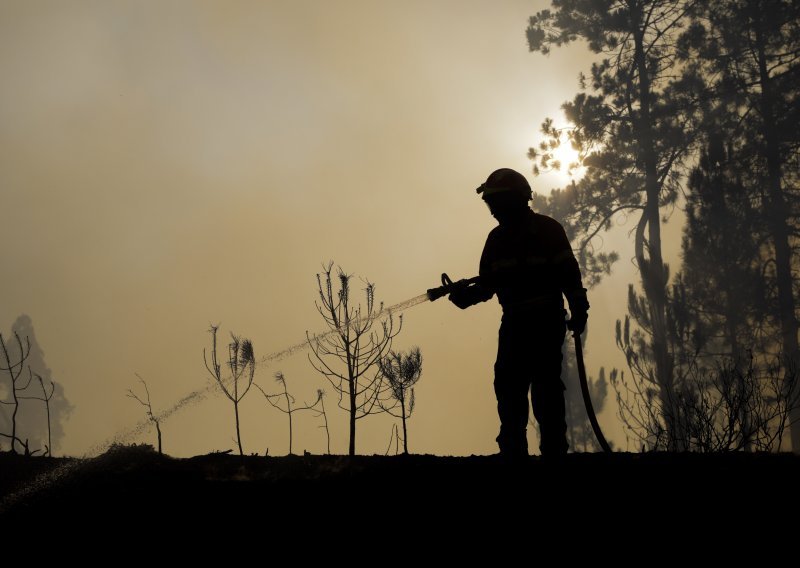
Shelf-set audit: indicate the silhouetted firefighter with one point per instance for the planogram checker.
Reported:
(528, 262)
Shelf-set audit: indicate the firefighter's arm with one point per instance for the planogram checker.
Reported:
(571, 284)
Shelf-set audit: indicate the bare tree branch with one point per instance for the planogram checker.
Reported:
(242, 367)
(146, 403)
(349, 354)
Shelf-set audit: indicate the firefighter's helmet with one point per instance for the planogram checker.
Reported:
(505, 180)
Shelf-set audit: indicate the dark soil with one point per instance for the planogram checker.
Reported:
(315, 494)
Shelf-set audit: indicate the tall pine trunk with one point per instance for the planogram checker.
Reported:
(777, 219)
(652, 270)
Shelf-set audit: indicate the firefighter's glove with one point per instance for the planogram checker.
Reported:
(465, 296)
(578, 309)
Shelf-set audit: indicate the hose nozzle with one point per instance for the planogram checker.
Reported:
(447, 286)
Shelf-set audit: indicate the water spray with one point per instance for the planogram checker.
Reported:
(194, 397)
(127, 434)
(383, 313)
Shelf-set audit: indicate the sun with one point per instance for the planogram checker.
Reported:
(569, 164)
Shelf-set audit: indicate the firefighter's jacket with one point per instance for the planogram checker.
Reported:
(529, 265)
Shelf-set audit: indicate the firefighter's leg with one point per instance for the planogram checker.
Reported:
(511, 385)
(547, 392)
(548, 407)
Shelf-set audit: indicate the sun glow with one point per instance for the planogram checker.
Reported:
(568, 161)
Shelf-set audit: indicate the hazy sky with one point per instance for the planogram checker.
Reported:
(166, 165)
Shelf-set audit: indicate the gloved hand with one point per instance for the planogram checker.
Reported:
(466, 296)
(577, 321)
(578, 309)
